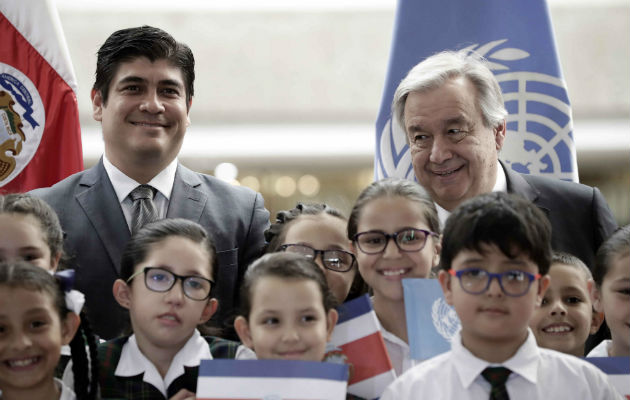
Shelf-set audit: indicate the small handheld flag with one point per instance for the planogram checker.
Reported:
(357, 338)
(271, 379)
(431, 322)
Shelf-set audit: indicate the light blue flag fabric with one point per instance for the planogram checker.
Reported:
(517, 39)
(431, 323)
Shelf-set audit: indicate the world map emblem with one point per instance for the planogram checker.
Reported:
(445, 320)
(22, 121)
(539, 125)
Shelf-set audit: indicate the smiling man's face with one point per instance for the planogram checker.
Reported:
(146, 115)
(454, 155)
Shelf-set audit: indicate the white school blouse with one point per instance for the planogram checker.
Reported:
(132, 362)
(398, 351)
(536, 374)
(66, 392)
(601, 350)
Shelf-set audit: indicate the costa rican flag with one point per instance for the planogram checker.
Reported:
(357, 340)
(517, 40)
(40, 136)
(271, 380)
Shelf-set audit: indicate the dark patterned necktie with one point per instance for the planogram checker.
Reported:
(144, 210)
(497, 376)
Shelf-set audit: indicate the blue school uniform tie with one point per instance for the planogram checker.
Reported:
(144, 210)
(497, 376)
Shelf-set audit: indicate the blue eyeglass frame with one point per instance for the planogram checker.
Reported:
(493, 275)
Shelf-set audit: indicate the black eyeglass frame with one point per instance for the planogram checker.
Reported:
(181, 278)
(394, 236)
(499, 277)
(321, 253)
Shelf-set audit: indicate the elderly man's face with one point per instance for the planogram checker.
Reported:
(454, 155)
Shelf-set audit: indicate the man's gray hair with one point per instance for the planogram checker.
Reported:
(437, 69)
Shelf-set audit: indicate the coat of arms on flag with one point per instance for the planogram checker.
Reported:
(271, 380)
(357, 340)
(40, 136)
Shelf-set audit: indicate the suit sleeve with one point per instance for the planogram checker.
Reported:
(255, 240)
(604, 221)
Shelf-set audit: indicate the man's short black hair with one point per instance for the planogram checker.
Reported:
(144, 41)
(513, 224)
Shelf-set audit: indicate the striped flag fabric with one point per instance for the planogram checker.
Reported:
(516, 38)
(357, 340)
(618, 371)
(40, 136)
(271, 380)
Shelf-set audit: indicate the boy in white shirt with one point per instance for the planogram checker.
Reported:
(495, 255)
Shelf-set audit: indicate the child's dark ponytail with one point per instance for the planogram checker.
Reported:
(84, 367)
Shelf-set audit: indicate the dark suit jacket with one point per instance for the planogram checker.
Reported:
(579, 215)
(96, 230)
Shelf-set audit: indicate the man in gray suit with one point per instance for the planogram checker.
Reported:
(142, 95)
(451, 108)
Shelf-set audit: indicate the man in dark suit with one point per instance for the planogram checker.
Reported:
(451, 108)
(142, 95)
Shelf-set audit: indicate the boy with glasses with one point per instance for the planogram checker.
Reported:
(495, 256)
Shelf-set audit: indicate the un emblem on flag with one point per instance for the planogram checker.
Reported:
(539, 136)
(22, 120)
(445, 320)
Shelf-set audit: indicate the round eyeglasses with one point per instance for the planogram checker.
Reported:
(410, 239)
(513, 283)
(162, 280)
(334, 260)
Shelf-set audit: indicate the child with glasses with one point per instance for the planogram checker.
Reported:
(495, 256)
(318, 232)
(168, 270)
(394, 230)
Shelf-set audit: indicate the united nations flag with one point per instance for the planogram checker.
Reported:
(516, 38)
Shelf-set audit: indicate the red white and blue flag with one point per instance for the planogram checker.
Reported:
(358, 342)
(40, 136)
(271, 379)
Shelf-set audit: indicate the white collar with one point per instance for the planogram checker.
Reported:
(66, 392)
(499, 186)
(123, 185)
(524, 362)
(132, 362)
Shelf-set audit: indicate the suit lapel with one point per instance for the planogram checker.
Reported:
(100, 205)
(517, 184)
(186, 200)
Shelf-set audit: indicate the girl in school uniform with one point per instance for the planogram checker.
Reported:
(394, 230)
(318, 232)
(168, 270)
(37, 317)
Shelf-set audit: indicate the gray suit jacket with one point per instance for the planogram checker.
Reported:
(579, 215)
(96, 230)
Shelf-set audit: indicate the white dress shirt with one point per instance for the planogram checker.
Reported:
(123, 185)
(601, 350)
(398, 351)
(499, 186)
(537, 373)
(66, 392)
